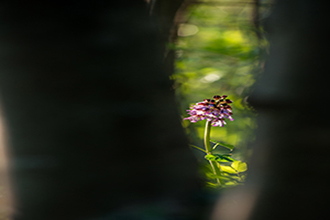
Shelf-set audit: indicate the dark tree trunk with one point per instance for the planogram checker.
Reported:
(93, 127)
(288, 173)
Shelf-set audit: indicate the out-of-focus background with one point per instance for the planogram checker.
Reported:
(220, 50)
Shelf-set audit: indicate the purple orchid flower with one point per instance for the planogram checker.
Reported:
(215, 110)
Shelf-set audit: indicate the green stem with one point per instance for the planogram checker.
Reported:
(208, 149)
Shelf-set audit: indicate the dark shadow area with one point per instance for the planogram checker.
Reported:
(93, 129)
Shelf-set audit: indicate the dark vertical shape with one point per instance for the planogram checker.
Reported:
(290, 164)
(256, 18)
(165, 13)
(93, 127)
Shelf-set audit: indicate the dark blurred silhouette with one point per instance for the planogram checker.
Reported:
(92, 125)
(93, 128)
(288, 172)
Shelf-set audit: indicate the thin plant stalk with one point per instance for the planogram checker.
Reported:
(216, 169)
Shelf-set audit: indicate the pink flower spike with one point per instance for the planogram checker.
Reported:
(215, 110)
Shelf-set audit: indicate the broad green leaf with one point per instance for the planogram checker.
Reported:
(239, 166)
(228, 169)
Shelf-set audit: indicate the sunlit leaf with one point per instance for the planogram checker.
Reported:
(239, 166)
(228, 169)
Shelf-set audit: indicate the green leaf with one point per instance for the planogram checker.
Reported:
(215, 146)
(224, 158)
(229, 146)
(228, 169)
(231, 183)
(198, 148)
(232, 176)
(225, 178)
(211, 157)
(239, 166)
(221, 158)
(213, 185)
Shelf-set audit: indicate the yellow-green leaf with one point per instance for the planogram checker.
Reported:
(239, 166)
(228, 169)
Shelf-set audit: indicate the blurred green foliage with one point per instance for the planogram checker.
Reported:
(218, 52)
